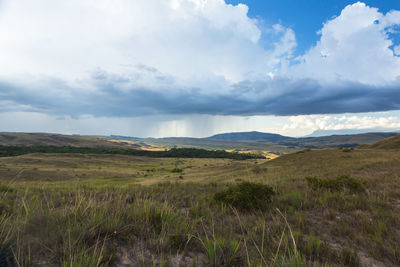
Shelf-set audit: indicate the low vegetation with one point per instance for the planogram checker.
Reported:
(7, 151)
(246, 196)
(121, 210)
(340, 183)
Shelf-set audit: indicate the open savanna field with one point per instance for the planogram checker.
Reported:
(121, 210)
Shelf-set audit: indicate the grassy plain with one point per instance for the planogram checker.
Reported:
(115, 210)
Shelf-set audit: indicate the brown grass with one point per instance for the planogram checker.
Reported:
(77, 209)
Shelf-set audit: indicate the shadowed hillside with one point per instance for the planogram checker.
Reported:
(388, 143)
(44, 139)
(269, 142)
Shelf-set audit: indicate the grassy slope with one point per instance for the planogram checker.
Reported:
(388, 143)
(69, 209)
(38, 139)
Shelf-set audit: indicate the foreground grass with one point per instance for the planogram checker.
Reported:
(73, 222)
(164, 224)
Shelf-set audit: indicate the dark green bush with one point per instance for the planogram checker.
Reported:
(339, 183)
(5, 188)
(177, 170)
(246, 196)
(347, 149)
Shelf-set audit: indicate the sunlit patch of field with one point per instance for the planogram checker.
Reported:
(266, 154)
(148, 147)
(152, 148)
(122, 141)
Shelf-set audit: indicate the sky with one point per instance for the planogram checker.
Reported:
(199, 67)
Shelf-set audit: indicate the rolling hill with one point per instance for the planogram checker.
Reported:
(45, 139)
(243, 141)
(388, 143)
(269, 142)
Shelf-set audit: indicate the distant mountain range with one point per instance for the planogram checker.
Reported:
(256, 141)
(317, 136)
(249, 136)
(269, 142)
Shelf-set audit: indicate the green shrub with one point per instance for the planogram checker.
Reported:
(5, 188)
(246, 196)
(339, 183)
(347, 149)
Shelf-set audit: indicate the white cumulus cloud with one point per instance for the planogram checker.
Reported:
(188, 39)
(310, 123)
(355, 46)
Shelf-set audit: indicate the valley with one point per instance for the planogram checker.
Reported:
(124, 210)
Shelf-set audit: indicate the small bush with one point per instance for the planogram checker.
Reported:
(339, 183)
(5, 188)
(303, 151)
(347, 149)
(177, 170)
(246, 196)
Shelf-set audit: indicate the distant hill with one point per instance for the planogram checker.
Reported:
(45, 139)
(269, 142)
(349, 140)
(388, 143)
(320, 133)
(240, 141)
(249, 136)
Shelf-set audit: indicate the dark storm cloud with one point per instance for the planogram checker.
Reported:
(119, 97)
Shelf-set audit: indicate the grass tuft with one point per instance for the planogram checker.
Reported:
(339, 183)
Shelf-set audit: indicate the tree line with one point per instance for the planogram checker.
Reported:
(7, 151)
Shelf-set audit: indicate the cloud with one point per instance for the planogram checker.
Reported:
(196, 125)
(122, 96)
(134, 58)
(355, 46)
(384, 121)
(188, 39)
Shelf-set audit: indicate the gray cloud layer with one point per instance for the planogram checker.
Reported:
(116, 97)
